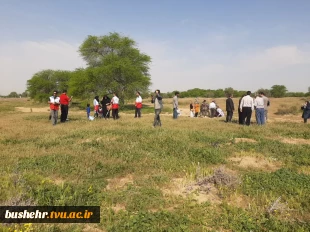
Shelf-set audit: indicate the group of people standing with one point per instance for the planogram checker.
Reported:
(247, 105)
(102, 108)
(245, 108)
(55, 102)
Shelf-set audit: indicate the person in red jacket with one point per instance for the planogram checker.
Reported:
(138, 105)
(64, 101)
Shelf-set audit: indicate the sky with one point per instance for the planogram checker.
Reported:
(204, 44)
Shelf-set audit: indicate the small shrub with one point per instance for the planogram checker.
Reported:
(285, 109)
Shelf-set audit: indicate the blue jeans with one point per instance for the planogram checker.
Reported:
(260, 116)
(175, 113)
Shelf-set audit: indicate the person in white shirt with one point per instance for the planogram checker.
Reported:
(96, 106)
(246, 108)
(115, 106)
(259, 108)
(138, 105)
(220, 112)
(266, 105)
(212, 107)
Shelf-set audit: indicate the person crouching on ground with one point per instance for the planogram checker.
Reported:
(115, 106)
(158, 106)
(219, 112)
(306, 111)
(138, 105)
(54, 102)
(260, 109)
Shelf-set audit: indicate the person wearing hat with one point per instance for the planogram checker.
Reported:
(212, 107)
(54, 102)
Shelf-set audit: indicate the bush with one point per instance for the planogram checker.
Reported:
(285, 109)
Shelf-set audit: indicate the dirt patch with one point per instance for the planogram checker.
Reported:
(295, 141)
(304, 170)
(91, 228)
(35, 110)
(240, 201)
(117, 183)
(255, 162)
(245, 140)
(183, 188)
(204, 189)
(58, 181)
(99, 139)
(118, 207)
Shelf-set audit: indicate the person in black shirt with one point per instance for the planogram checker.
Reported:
(105, 102)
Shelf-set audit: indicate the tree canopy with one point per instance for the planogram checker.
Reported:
(278, 91)
(43, 83)
(114, 65)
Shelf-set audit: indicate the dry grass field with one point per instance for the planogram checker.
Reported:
(192, 174)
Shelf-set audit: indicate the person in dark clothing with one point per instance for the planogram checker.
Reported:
(64, 106)
(241, 121)
(306, 111)
(229, 108)
(105, 102)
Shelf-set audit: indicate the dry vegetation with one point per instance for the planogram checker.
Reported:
(190, 175)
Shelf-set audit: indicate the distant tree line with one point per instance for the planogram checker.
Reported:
(15, 95)
(276, 91)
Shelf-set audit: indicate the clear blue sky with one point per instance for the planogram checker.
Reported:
(205, 44)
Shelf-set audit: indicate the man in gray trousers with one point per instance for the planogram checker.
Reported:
(158, 105)
(175, 105)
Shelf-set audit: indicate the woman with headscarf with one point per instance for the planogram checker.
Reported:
(105, 102)
(191, 108)
(196, 107)
(115, 106)
(306, 111)
(96, 106)
(204, 108)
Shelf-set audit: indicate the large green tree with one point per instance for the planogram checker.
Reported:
(278, 91)
(115, 64)
(43, 83)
